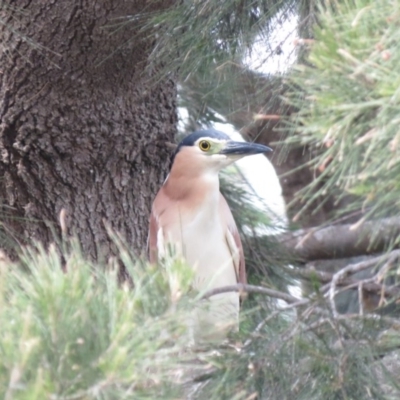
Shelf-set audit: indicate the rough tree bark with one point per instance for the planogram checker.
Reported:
(81, 127)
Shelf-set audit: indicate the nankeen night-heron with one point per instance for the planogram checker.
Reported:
(190, 215)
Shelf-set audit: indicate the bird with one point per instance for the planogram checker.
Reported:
(191, 216)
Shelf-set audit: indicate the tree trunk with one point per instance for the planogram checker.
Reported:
(82, 128)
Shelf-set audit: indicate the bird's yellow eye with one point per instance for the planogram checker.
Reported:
(204, 145)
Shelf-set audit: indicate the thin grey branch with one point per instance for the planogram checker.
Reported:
(352, 268)
(370, 284)
(251, 289)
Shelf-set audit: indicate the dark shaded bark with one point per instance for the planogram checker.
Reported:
(82, 128)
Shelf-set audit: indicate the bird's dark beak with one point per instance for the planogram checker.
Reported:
(244, 148)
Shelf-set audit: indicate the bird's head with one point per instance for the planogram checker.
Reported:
(212, 150)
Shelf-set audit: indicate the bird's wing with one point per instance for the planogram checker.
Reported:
(234, 242)
(152, 238)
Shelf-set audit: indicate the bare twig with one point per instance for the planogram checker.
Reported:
(360, 298)
(352, 268)
(369, 284)
(261, 325)
(250, 289)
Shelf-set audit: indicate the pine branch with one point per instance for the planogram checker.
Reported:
(341, 240)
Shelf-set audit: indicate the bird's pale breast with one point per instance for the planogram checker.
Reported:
(199, 235)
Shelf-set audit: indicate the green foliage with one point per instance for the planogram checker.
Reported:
(287, 359)
(241, 202)
(71, 330)
(80, 335)
(204, 34)
(347, 94)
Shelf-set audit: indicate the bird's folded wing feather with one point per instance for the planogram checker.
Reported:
(233, 241)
